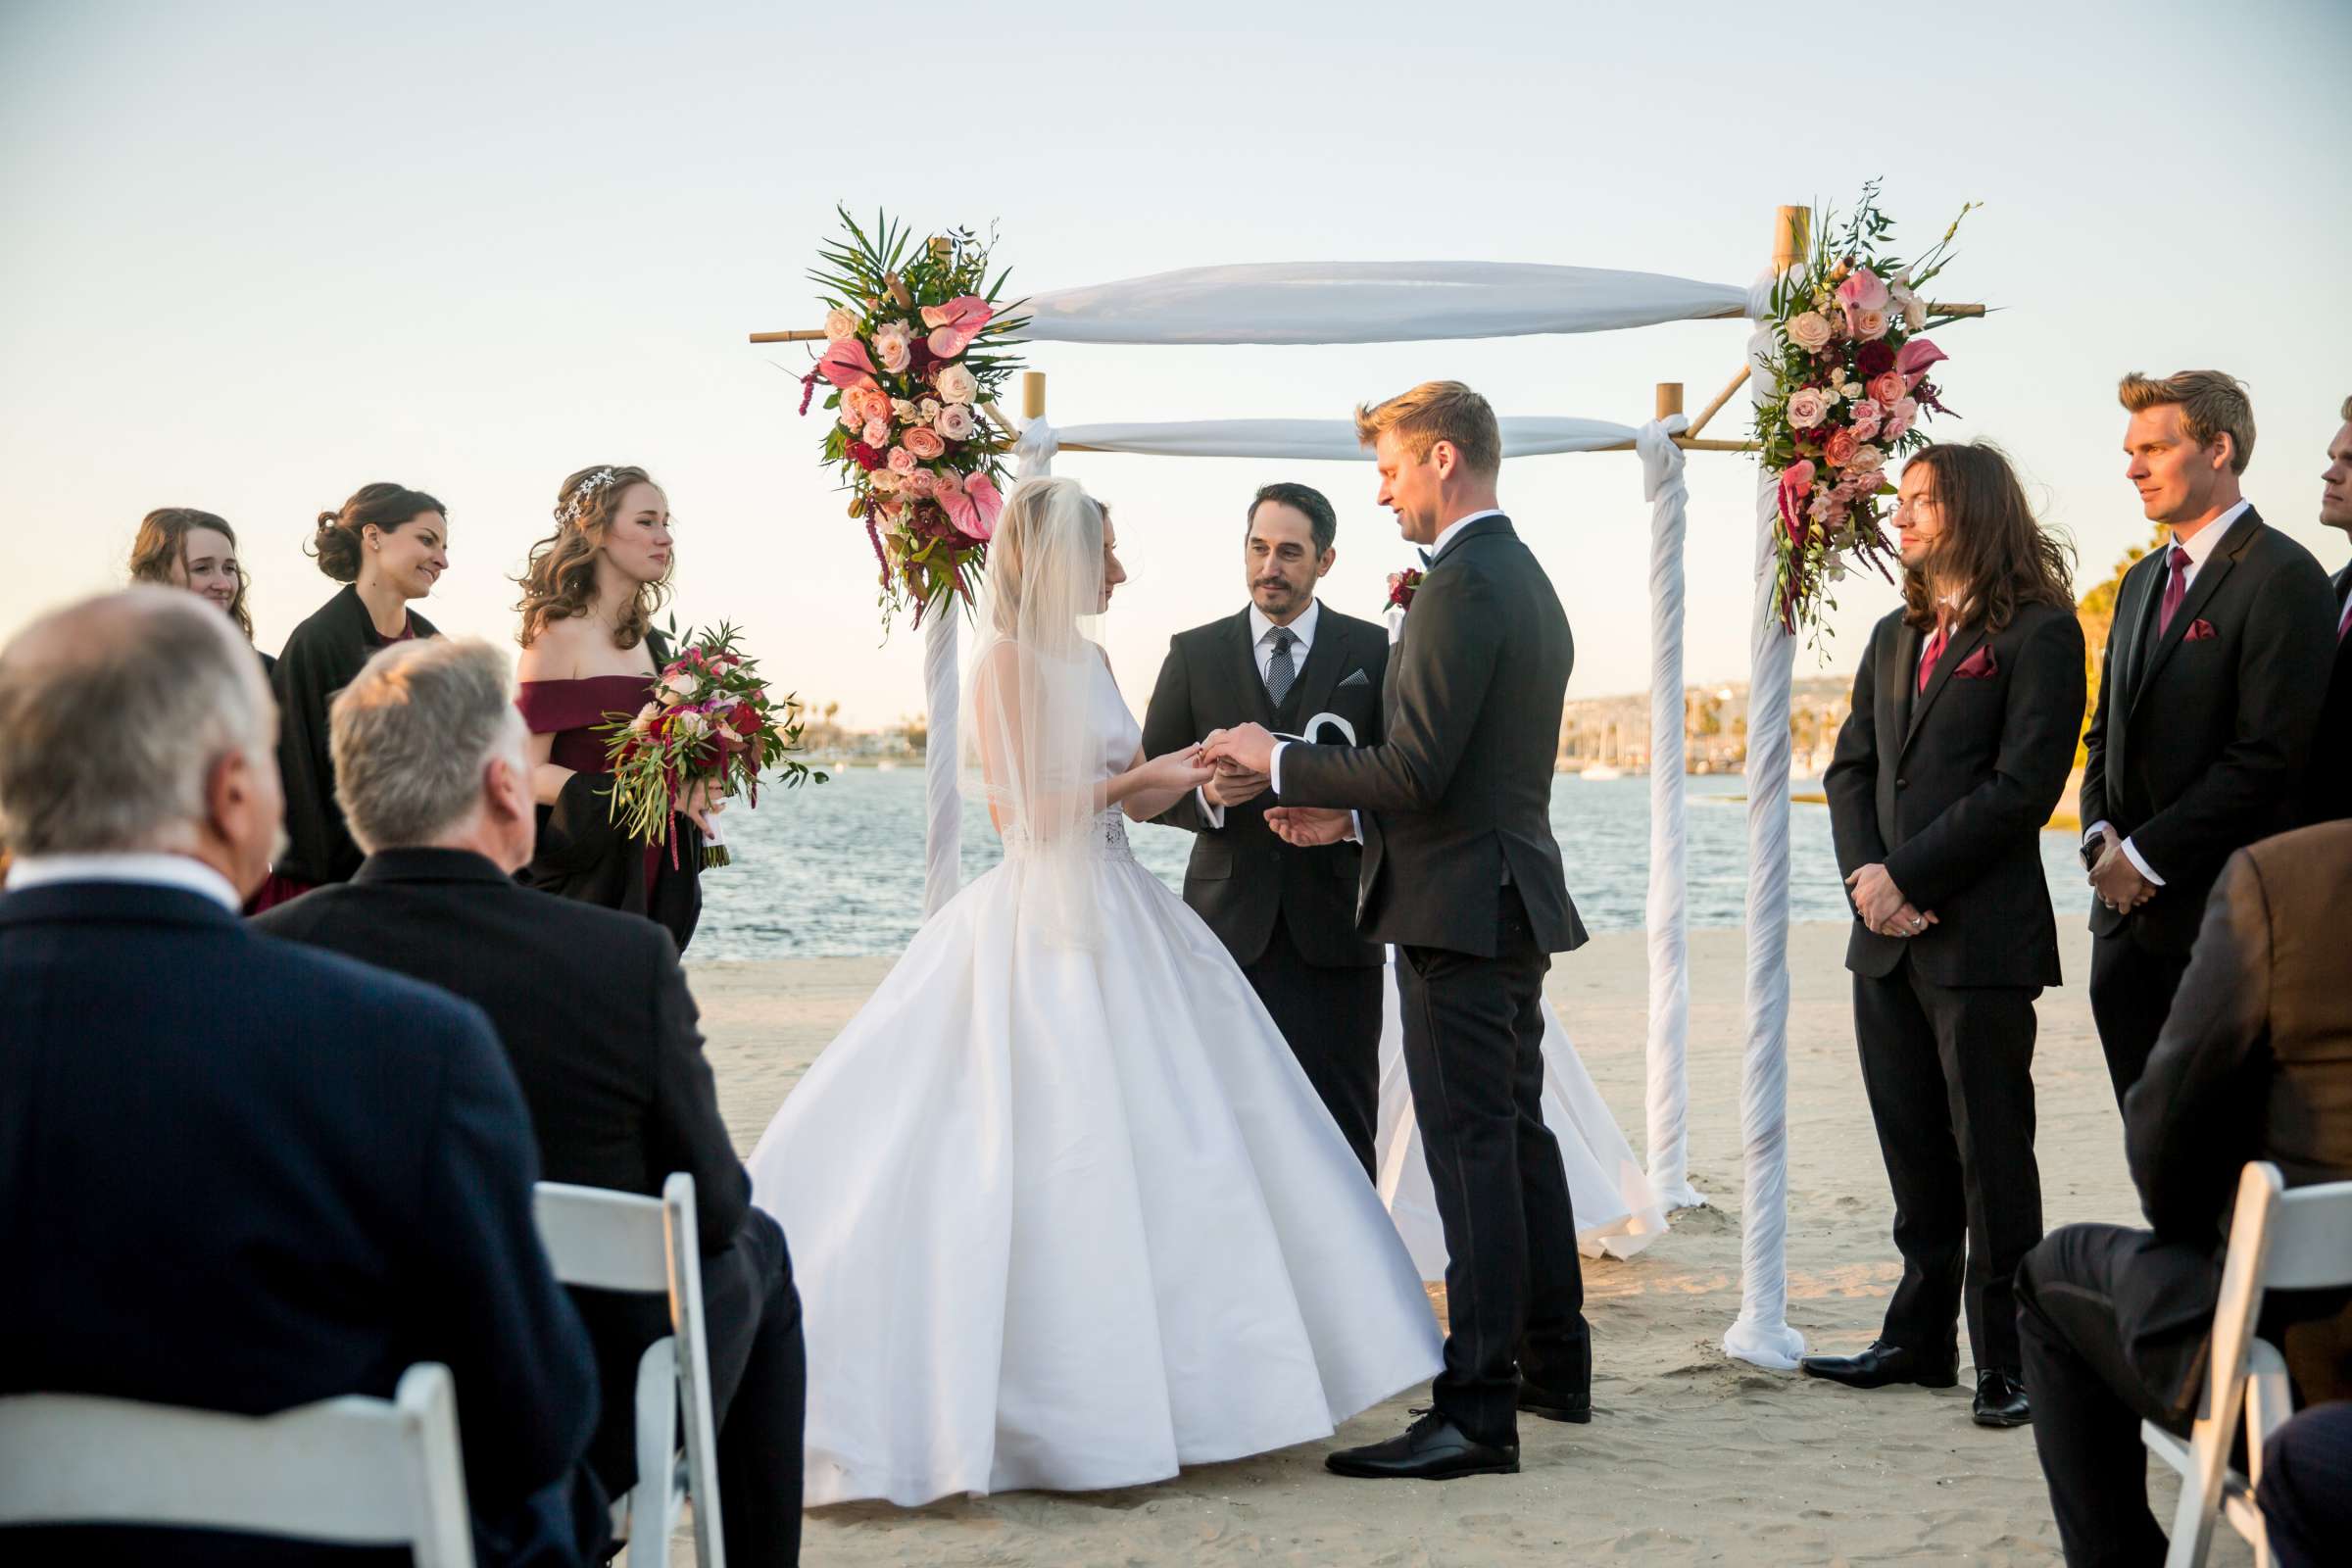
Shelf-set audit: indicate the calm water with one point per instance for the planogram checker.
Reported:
(836, 870)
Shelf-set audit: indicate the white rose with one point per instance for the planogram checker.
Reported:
(957, 383)
(840, 323)
(680, 685)
(1809, 331)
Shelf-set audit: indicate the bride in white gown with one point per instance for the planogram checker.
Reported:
(1064, 1211)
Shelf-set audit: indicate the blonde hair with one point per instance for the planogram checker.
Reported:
(559, 580)
(1049, 523)
(2212, 404)
(1435, 412)
(162, 544)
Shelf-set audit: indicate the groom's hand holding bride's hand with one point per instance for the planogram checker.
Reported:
(1308, 827)
(1231, 786)
(1246, 747)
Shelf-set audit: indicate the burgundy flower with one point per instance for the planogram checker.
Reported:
(864, 456)
(1875, 358)
(923, 360)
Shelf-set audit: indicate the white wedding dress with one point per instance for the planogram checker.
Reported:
(1068, 1215)
(1617, 1212)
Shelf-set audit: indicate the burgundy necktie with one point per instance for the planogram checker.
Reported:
(1926, 662)
(2343, 622)
(2176, 588)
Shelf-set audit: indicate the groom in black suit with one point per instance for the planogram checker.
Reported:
(1461, 871)
(2215, 673)
(1286, 913)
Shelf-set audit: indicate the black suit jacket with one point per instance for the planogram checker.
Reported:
(598, 1026)
(1240, 875)
(2327, 782)
(2197, 748)
(1460, 789)
(242, 1176)
(1949, 789)
(2255, 1063)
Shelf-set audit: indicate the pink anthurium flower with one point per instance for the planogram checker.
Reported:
(956, 324)
(1915, 357)
(846, 363)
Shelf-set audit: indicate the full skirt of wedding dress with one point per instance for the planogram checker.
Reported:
(1071, 1216)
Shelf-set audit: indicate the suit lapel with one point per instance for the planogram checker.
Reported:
(2130, 632)
(2218, 566)
(1954, 652)
(1253, 686)
(1901, 682)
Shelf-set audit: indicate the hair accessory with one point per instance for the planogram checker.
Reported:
(575, 504)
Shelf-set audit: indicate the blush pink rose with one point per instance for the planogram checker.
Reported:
(920, 484)
(840, 322)
(1810, 331)
(1888, 388)
(1866, 322)
(1866, 415)
(1863, 290)
(885, 482)
(876, 432)
(1867, 461)
(901, 461)
(924, 442)
(1841, 448)
(957, 383)
(1902, 415)
(894, 346)
(956, 421)
(1808, 406)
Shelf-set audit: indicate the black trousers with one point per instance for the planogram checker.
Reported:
(760, 1384)
(2306, 1486)
(2130, 996)
(1331, 1020)
(1949, 1071)
(1514, 1285)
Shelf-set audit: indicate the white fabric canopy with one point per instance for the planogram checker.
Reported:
(1371, 302)
(1333, 439)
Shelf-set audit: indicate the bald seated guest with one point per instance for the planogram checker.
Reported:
(236, 1174)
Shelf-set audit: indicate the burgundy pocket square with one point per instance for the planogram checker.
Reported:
(1978, 665)
(2200, 631)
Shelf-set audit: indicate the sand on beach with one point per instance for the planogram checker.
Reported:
(1692, 1457)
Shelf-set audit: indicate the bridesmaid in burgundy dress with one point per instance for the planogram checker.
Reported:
(590, 652)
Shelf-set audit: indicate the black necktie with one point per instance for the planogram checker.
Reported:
(1280, 672)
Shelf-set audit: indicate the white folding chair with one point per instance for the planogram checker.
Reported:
(612, 1241)
(2279, 1241)
(352, 1471)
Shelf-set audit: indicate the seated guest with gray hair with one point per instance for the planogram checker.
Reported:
(238, 1175)
(433, 775)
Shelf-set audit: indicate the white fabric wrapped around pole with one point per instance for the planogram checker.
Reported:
(1762, 1335)
(1667, 915)
(1333, 439)
(1370, 302)
(943, 840)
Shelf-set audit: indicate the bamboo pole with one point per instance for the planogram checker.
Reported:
(1721, 397)
(1033, 397)
(1791, 236)
(1670, 399)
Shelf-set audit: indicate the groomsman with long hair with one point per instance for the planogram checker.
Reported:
(2327, 785)
(1965, 714)
(2208, 700)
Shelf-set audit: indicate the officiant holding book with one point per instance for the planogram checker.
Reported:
(1286, 913)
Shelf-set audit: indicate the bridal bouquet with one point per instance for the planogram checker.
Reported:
(914, 354)
(1849, 388)
(710, 721)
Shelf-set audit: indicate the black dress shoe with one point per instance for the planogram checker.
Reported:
(1555, 1405)
(2000, 1401)
(1880, 1365)
(1431, 1448)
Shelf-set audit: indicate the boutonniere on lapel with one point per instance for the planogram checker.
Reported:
(1979, 666)
(1403, 585)
(2200, 630)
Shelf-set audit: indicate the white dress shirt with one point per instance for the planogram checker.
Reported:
(181, 871)
(2200, 548)
(1262, 650)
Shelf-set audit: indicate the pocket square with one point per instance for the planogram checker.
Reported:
(1359, 678)
(2200, 630)
(1979, 666)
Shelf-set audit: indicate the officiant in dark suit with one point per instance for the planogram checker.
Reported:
(1965, 709)
(2209, 697)
(1461, 871)
(1287, 913)
(2327, 783)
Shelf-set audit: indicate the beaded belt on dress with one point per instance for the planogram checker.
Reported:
(1109, 841)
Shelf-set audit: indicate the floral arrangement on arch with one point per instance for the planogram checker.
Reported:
(914, 353)
(1851, 387)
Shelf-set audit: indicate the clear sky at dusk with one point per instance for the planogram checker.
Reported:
(259, 254)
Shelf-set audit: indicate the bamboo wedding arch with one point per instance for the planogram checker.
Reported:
(1378, 302)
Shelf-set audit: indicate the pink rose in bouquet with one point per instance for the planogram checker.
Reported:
(894, 346)
(923, 442)
(1810, 331)
(1841, 448)
(901, 461)
(876, 432)
(1889, 389)
(920, 483)
(840, 322)
(1865, 416)
(1867, 323)
(957, 383)
(1808, 406)
(954, 421)
(1902, 415)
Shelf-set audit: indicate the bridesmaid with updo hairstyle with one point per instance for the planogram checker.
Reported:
(590, 650)
(387, 545)
(180, 547)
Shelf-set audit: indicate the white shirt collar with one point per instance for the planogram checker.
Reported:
(2209, 538)
(1438, 548)
(1304, 628)
(181, 871)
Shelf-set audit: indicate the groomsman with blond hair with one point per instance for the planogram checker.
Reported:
(2207, 700)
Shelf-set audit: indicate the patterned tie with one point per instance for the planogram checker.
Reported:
(1926, 662)
(2343, 622)
(1280, 672)
(2176, 588)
